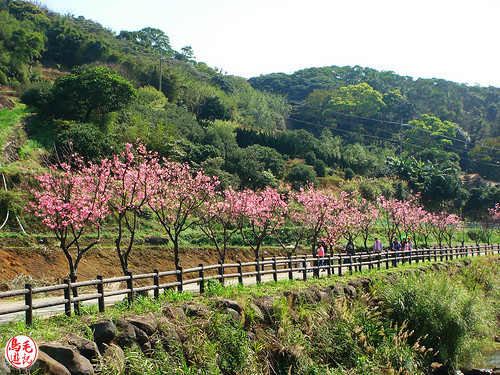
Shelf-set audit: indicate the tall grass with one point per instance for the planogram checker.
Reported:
(444, 313)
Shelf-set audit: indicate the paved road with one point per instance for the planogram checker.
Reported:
(54, 310)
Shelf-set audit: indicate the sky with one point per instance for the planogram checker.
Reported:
(455, 40)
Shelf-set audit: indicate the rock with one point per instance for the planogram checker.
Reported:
(142, 336)
(350, 291)
(174, 313)
(195, 310)
(170, 339)
(229, 303)
(47, 365)
(235, 315)
(125, 334)
(337, 290)
(292, 298)
(114, 358)
(322, 295)
(83, 346)
(104, 332)
(69, 358)
(4, 368)
(357, 284)
(366, 283)
(147, 323)
(258, 315)
(265, 304)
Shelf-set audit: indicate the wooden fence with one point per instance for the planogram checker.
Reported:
(301, 266)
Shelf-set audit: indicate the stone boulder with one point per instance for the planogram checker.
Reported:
(69, 358)
(174, 313)
(47, 365)
(147, 323)
(4, 368)
(104, 332)
(125, 334)
(83, 346)
(235, 315)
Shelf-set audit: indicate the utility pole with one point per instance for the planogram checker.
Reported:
(401, 138)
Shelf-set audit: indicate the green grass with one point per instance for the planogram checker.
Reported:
(9, 118)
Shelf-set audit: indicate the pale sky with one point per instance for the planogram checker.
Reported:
(456, 40)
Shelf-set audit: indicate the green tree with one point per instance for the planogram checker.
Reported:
(90, 91)
(301, 175)
(359, 100)
(150, 38)
(430, 126)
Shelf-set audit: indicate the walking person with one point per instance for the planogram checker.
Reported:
(377, 246)
(321, 254)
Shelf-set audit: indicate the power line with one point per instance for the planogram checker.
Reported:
(401, 124)
(386, 140)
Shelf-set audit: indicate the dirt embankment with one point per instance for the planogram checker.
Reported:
(46, 263)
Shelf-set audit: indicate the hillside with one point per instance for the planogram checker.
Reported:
(343, 127)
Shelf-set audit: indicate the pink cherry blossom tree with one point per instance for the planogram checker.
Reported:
(494, 218)
(132, 174)
(293, 223)
(220, 218)
(313, 209)
(264, 213)
(179, 193)
(368, 215)
(423, 227)
(72, 201)
(444, 225)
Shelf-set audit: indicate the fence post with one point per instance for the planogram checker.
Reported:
(180, 280)
(201, 275)
(275, 269)
(410, 253)
(290, 266)
(74, 291)
(304, 271)
(67, 297)
(28, 301)
(100, 291)
(156, 282)
(316, 266)
(387, 259)
(329, 269)
(258, 277)
(130, 286)
(221, 272)
(370, 265)
(240, 273)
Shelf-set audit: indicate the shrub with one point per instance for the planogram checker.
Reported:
(450, 319)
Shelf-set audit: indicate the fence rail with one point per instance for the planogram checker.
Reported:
(157, 281)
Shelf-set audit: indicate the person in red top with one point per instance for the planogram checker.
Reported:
(321, 254)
